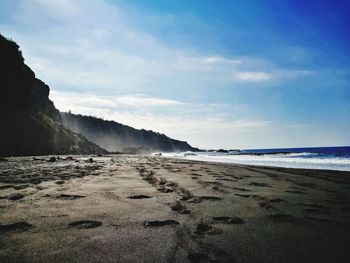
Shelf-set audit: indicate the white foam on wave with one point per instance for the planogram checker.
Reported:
(292, 160)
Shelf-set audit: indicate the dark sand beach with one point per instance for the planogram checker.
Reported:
(138, 208)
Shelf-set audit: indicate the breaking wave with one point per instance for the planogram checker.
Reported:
(327, 160)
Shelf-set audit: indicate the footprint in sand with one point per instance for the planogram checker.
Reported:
(313, 205)
(84, 224)
(199, 199)
(139, 196)
(15, 227)
(5, 187)
(203, 229)
(226, 179)
(15, 197)
(20, 187)
(161, 223)
(267, 203)
(276, 200)
(241, 189)
(259, 184)
(247, 196)
(195, 200)
(294, 192)
(70, 197)
(229, 219)
(306, 184)
(211, 198)
(165, 190)
(180, 208)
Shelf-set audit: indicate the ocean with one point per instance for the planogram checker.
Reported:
(325, 158)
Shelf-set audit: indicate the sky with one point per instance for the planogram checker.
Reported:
(218, 74)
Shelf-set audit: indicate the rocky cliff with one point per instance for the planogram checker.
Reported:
(115, 136)
(30, 123)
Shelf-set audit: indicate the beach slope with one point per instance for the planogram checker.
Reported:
(138, 208)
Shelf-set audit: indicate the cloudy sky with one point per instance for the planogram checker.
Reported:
(218, 74)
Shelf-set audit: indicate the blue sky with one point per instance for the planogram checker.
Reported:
(218, 74)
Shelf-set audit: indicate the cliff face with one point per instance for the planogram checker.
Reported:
(114, 136)
(30, 123)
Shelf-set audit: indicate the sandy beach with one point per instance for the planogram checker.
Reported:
(139, 208)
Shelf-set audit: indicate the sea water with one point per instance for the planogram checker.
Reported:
(327, 158)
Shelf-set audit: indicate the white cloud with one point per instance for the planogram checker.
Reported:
(252, 76)
(137, 101)
(212, 60)
(68, 100)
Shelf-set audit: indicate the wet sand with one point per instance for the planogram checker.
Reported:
(131, 208)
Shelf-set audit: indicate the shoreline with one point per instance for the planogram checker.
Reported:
(123, 208)
(258, 165)
(266, 163)
(298, 166)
